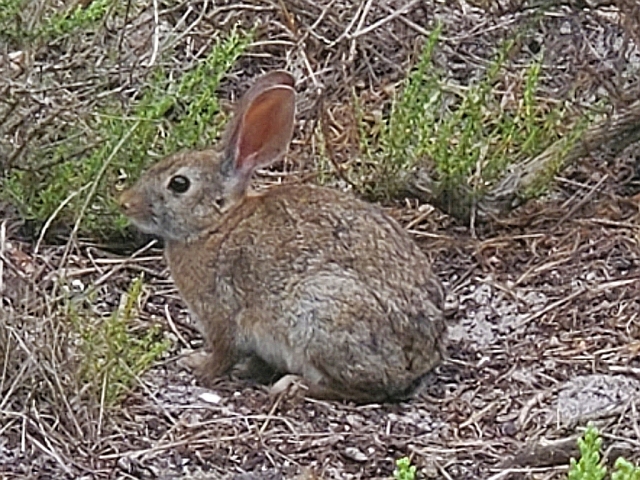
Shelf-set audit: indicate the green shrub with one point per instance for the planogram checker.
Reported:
(466, 134)
(625, 470)
(114, 354)
(70, 20)
(76, 175)
(52, 21)
(590, 465)
(404, 470)
(10, 19)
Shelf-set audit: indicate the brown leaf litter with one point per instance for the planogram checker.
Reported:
(546, 335)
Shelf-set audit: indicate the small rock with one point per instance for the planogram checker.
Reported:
(355, 454)
(210, 397)
(581, 398)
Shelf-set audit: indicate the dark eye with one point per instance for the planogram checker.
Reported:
(179, 184)
(219, 202)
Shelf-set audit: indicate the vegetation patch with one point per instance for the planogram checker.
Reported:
(10, 19)
(113, 353)
(590, 466)
(66, 21)
(466, 135)
(73, 179)
(404, 470)
(19, 25)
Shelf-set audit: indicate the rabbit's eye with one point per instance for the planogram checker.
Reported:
(219, 201)
(179, 184)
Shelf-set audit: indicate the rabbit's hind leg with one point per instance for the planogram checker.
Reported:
(319, 391)
(339, 392)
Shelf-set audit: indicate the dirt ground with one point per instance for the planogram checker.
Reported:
(546, 336)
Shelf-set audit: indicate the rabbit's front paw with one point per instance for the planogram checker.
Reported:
(295, 385)
(289, 383)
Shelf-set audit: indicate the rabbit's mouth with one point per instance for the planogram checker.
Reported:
(145, 225)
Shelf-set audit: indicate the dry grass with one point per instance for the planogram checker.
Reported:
(546, 296)
(543, 299)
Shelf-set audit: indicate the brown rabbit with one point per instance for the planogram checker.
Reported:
(301, 279)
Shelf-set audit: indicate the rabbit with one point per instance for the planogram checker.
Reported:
(300, 279)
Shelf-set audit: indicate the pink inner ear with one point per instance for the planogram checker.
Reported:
(266, 128)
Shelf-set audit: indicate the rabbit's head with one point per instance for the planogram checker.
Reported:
(190, 191)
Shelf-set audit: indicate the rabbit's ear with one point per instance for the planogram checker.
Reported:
(277, 78)
(262, 129)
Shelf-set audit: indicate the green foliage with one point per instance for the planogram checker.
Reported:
(10, 18)
(171, 114)
(404, 470)
(547, 175)
(625, 470)
(468, 134)
(194, 119)
(590, 465)
(76, 18)
(113, 353)
(52, 22)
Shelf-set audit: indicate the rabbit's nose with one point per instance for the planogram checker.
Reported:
(130, 203)
(124, 200)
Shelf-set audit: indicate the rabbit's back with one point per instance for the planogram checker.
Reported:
(317, 283)
(293, 232)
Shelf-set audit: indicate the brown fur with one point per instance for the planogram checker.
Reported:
(308, 280)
